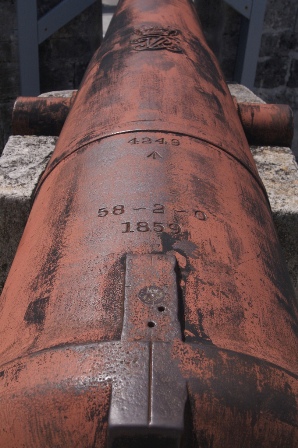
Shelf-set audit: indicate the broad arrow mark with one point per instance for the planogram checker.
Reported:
(155, 155)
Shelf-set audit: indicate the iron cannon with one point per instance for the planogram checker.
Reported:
(149, 303)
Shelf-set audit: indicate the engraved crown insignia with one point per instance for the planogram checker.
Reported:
(156, 38)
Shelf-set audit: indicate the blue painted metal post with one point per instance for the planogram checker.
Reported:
(252, 12)
(242, 6)
(249, 44)
(28, 47)
(59, 16)
(32, 32)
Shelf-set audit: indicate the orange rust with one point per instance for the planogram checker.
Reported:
(152, 166)
(263, 124)
(267, 124)
(39, 115)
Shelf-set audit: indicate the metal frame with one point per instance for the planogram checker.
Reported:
(252, 12)
(33, 31)
(28, 47)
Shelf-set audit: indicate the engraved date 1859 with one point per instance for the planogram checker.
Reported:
(143, 226)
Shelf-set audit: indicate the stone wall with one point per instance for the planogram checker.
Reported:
(64, 57)
(9, 70)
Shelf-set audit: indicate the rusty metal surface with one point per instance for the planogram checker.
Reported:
(149, 303)
(40, 116)
(267, 124)
(131, 71)
(263, 124)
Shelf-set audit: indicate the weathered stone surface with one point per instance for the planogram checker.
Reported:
(279, 172)
(58, 93)
(22, 163)
(243, 94)
(23, 160)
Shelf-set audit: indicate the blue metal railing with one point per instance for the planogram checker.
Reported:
(33, 31)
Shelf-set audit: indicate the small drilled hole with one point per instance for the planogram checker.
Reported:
(161, 309)
(151, 324)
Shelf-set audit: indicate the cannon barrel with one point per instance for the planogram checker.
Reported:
(149, 303)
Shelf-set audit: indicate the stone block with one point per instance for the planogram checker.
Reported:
(5, 122)
(277, 43)
(280, 14)
(278, 170)
(23, 160)
(272, 71)
(243, 94)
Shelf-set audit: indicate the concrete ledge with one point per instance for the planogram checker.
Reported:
(278, 170)
(24, 159)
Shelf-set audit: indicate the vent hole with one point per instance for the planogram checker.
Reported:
(151, 324)
(161, 309)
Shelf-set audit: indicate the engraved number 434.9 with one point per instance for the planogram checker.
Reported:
(148, 141)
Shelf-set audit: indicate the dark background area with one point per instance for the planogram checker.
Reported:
(65, 55)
